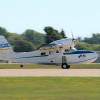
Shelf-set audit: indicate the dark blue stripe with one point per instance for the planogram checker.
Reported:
(78, 52)
(30, 57)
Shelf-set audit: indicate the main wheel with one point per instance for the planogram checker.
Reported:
(21, 65)
(65, 66)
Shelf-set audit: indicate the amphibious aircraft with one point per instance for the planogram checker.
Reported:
(58, 52)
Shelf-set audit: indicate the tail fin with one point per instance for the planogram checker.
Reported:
(3, 43)
(5, 49)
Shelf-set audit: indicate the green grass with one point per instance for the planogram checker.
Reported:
(86, 66)
(34, 66)
(49, 88)
(26, 66)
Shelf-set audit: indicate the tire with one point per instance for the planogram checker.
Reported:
(21, 65)
(68, 66)
(65, 66)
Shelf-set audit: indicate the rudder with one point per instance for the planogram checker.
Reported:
(5, 49)
(4, 43)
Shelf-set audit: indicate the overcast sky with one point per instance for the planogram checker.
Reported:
(80, 16)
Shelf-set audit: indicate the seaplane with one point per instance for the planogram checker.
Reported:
(57, 52)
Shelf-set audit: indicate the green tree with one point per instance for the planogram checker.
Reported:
(51, 35)
(83, 46)
(24, 46)
(98, 49)
(33, 36)
(63, 34)
(95, 47)
(79, 38)
(13, 38)
(28, 34)
(4, 32)
(95, 39)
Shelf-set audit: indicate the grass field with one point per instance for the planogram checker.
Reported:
(49, 88)
(34, 66)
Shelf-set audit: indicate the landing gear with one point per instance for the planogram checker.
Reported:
(65, 66)
(21, 65)
(64, 63)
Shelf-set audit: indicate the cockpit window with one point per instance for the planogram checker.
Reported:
(70, 50)
(73, 49)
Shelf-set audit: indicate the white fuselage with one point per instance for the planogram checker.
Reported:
(57, 52)
(78, 56)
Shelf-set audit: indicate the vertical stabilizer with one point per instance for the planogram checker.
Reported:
(3, 43)
(5, 49)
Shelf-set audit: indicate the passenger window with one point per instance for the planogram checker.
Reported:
(43, 53)
(57, 51)
(51, 52)
(66, 50)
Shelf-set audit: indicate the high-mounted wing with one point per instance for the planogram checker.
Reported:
(60, 44)
(51, 46)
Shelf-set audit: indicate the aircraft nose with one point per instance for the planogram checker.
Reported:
(95, 54)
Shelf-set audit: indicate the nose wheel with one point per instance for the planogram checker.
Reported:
(65, 66)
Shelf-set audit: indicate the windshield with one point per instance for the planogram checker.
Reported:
(73, 49)
(70, 50)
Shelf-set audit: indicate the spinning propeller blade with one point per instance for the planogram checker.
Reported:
(74, 40)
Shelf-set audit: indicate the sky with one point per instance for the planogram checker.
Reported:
(80, 17)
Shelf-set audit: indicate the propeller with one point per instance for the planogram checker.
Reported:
(72, 35)
(73, 39)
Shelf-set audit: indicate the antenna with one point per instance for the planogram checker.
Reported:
(72, 34)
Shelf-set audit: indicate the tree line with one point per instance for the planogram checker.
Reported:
(31, 40)
(92, 43)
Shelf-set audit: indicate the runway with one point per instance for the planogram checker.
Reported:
(51, 72)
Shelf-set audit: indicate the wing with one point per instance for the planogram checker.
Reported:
(51, 46)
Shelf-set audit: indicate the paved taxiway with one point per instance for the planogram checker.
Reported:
(50, 72)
